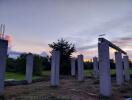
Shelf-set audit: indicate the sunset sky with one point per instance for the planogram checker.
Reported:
(33, 24)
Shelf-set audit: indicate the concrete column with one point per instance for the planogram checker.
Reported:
(29, 68)
(73, 61)
(3, 56)
(80, 68)
(119, 68)
(126, 68)
(95, 67)
(55, 66)
(104, 70)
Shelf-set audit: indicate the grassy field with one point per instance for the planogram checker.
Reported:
(89, 72)
(18, 76)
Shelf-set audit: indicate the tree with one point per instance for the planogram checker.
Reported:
(66, 49)
(112, 64)
(21, 63)
(11, 64)
(37, 64)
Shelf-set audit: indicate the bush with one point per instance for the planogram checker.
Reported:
(11, 65)
(19, 64)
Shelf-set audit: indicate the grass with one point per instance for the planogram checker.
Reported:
(113, 71)
(88, 72)
(46, 73)
(18, 76)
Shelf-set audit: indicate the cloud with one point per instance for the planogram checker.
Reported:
(107, 26)
(123, 41)
(87, 47)
(15, 53)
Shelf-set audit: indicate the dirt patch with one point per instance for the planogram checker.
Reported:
(69, 89)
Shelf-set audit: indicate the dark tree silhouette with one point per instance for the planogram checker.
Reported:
(66, 49)
(19, 64)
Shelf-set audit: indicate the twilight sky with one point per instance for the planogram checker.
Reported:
(33, 24)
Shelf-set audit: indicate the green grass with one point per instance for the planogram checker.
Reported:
(18, 76)
(113, 72)
(88, 72)
(46, 73)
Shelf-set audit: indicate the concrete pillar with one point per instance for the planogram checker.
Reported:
(29, 68)
(104, 70)
(3, 56)
(95, 67)
(55, 66)
(119, 68)
(80, 68)
(73, 61)
(126, 68)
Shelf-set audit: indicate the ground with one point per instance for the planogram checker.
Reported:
(69, 89)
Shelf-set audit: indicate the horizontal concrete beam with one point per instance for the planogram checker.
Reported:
(111, 45)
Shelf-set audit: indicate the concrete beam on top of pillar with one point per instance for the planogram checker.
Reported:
(100, 40)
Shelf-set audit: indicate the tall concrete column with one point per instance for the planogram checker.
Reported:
(55, 66)
(29, 68)
(80, 68)
(95, 67)
(119, 68)
(3, 56)
(73, 61)
(126, 68)
(104, 69)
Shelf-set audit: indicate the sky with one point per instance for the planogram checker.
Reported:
(33, 24)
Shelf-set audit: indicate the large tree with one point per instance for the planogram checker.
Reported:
(66, 49)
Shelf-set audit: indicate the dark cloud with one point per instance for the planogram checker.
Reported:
(123, 41)
(87, 47)
(108, 25)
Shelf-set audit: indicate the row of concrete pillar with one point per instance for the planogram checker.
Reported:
(122, 71)
(55, 64)
(3, 56)
(101, 70)
(103, 73)
(104, 69)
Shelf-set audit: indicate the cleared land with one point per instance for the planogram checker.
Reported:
(69, 89)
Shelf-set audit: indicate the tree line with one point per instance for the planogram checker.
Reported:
(44, 63)
(19, 65)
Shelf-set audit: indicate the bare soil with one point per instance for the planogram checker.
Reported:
(69, 89)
